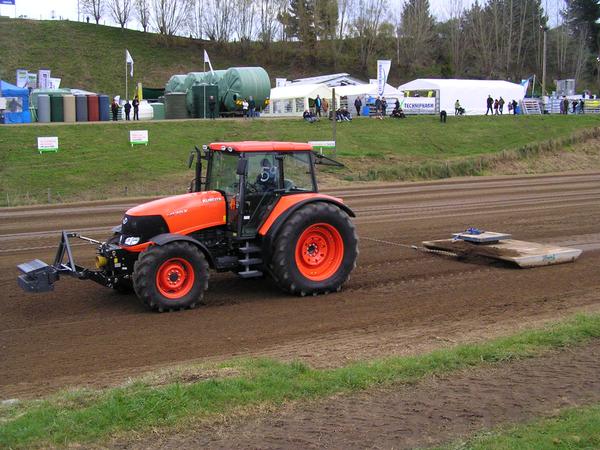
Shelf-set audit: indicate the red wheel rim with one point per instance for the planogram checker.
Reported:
(319, 252)
(175, 278)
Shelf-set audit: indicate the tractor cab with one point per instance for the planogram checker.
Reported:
(253, 176)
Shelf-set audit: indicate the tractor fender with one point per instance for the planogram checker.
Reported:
(282, 212)
(166, 238)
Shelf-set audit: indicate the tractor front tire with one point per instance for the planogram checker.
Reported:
(315, 250)
(171, 277)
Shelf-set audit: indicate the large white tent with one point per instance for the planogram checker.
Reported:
(292, 100)
(471, 94)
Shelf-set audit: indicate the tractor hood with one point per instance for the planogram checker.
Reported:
(184, 214)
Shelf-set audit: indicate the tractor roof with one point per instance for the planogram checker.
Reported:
(261, 146)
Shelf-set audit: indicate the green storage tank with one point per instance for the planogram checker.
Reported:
(175, 84)
(200, 78)
(201, 94)
(158, 111)
(57, 112)
(244, 82)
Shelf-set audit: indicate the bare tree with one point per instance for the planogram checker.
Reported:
(366, 25)
(169, 16)
(120, 11)
(94, 8)
(245, 20)
(219, 19)
(456, 36)
(195, 19)
(268, 10)
(142, 13)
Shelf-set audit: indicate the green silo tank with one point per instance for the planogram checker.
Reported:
(244, 82)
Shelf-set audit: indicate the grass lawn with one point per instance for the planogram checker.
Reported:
(94, 416)
(575, 428)
(95, 160)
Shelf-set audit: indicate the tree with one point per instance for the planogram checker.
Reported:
(169, 16)
(219, 18)
(417, 33)
(94, 8)
(582, 20)
(366, 26)
(298, 21)
(267, 12)
(120, 11)
(142, 13)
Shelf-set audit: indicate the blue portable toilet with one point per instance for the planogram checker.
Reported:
(17, 103)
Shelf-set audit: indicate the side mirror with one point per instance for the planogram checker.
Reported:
(242, 166)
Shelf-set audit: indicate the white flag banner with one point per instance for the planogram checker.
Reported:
(207, 60)
(129, 60)
(383, 69)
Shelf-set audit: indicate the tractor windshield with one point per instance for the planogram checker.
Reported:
(223, 174)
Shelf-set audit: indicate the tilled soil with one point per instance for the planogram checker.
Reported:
(398, 301)
(434, 411)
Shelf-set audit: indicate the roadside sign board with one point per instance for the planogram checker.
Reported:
(322, 145)
(138, 137)
(47, 144)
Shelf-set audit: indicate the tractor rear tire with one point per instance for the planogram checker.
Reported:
(315, 250)
(171, 277)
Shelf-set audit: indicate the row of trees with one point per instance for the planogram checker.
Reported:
(489, 38)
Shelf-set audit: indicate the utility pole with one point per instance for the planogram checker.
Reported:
(545, 30)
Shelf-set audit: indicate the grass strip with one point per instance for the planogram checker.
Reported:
(95, 160)
(263, 382)
(574, 428)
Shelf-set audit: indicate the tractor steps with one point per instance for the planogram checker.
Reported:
(249, 262)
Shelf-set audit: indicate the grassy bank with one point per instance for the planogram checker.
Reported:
(87, 417)
(95, 160)
(575, 428)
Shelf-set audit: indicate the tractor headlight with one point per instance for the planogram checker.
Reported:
(132, 240)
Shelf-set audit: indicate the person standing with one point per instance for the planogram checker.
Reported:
(496, 106)
(136, 108)
(318, 105)
(127, 109)
(251, 107)
(383, 106)
(245, 108)
(514, 105)
(456, 107)
(212, 103)
(501, 105)
(358, 105)
(490, 104)
(378, 108)
(581, 106)
(114, 107)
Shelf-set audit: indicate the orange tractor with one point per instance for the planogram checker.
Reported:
(257, 210)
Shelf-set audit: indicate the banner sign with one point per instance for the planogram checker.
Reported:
(32, 80)
(138, 137)
(54, 83)
(280, 82)
(7, 2)
(44, 78)
(383, 69)
(321, 145)
(47, 144)
(418, 105)
(21, 78)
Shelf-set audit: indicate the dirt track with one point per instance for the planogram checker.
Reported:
(398, 301)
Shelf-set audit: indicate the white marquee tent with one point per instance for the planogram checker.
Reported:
(471, 94)
(292, 100)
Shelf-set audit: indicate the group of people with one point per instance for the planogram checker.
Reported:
(496, 106)
(576, 106)
(249, 107)
(135, 104)
(321, 104)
